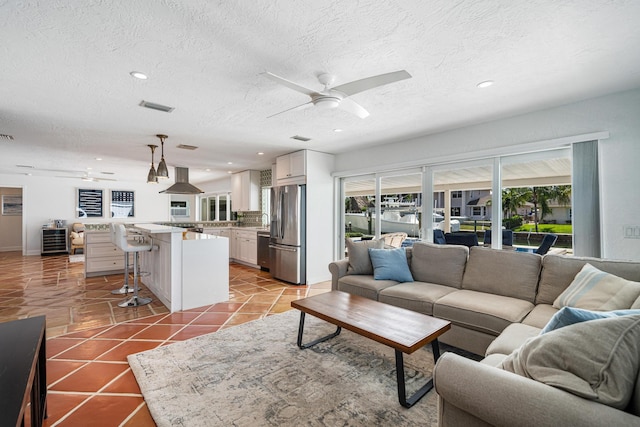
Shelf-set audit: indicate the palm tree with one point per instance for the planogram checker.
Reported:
(514, 198)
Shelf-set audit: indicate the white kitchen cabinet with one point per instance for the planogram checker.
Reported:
(101, 256)
(246, 246)
(245, 191)
(291, 168)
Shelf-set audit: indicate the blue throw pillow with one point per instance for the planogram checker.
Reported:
(569, 315)
(390, 264)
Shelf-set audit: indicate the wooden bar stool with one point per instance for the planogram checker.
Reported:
(135, 247)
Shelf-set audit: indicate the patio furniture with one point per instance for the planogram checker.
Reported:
(507, 237)
(394, 239)
(438, 237)
(462, 238)
(548, 241)
(77, 237)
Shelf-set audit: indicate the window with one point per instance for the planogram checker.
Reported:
(456, 194)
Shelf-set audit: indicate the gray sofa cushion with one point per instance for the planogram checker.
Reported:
(365, 286)
(540, 315)
(481, 311)
(502, 272)
(559, 271)
(512, 338)
(416, 296)
(359, 261)
(439, 263)
(603, 365)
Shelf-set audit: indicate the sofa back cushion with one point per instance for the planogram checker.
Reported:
(558, 272)
(502, 272)
(440, 264)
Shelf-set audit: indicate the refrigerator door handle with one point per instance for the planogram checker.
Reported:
(281, 213)
(280, 248)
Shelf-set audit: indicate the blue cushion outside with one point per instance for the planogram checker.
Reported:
(390, 264)
(569, 315)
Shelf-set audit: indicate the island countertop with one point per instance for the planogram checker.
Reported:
(157, 228)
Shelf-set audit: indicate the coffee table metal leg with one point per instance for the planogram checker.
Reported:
(319, 340)
(402, 394)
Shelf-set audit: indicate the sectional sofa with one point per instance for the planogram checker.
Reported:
(498, 302)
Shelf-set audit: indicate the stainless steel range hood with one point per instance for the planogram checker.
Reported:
(182, 185)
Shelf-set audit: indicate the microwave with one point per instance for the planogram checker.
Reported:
(180, 208)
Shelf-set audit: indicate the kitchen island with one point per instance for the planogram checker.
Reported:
(187, 270)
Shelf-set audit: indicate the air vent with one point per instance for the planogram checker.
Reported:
(187, 147)
(7, 137)
(158, 107)
(301, 138)
(25, 166)
(107, 173)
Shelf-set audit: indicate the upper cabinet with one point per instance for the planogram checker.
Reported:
(291, 168)
(245, 191)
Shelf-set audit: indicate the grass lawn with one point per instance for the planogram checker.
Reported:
(546, 228)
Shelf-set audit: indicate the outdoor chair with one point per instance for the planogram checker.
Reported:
(507, 237)
(548, 241)
(394, 239)
(438, 237)
(463, 238)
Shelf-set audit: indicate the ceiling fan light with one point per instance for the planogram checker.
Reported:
(326, 103)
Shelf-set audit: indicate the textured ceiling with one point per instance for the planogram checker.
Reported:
(66, 95)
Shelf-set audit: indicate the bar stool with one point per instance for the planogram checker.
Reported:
(125, 289)
(135, 247)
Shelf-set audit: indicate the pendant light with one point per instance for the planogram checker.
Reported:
(152, 178)
(163, 172)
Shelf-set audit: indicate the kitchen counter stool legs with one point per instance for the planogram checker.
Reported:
(119, 235)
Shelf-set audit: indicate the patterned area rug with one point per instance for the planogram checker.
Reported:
(255, 375)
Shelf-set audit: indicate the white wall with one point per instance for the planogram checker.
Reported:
(619, 155)
(45, 198)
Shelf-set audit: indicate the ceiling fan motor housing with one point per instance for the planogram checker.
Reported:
(326, 102)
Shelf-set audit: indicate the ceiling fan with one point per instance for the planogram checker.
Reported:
(338, 96)
(75, 174)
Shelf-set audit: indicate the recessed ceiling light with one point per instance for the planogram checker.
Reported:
(207, 170)
(98, 158)
(89, 168)
(229, 172)
(484, 84)
(139, 75)
(229, 163)
(260, 153)
(337, 130)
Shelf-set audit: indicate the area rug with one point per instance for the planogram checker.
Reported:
(255, 375)
(76, 258)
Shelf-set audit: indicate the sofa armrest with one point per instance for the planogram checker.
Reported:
(473, 391)
(338, 269)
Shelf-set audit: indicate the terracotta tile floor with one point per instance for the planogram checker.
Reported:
(89, 336)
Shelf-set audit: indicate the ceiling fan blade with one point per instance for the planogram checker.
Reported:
(353, 107)
(371, 82)
(297, 107)
(290, 84)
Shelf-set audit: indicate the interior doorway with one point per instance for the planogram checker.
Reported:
(10, 219)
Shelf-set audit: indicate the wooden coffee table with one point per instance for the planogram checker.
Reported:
(403, 330)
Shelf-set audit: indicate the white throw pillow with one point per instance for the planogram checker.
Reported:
(593, 289)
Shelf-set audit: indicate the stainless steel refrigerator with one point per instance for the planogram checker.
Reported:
(287, 246)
